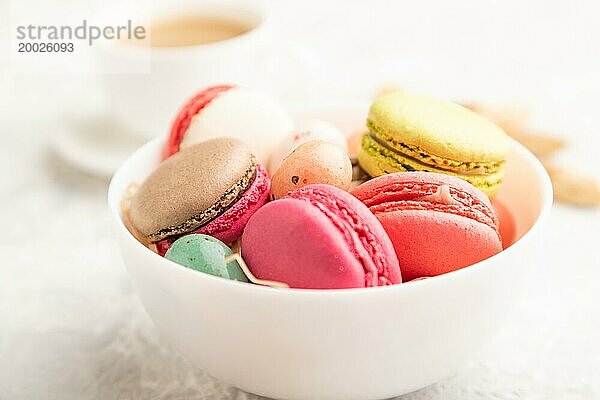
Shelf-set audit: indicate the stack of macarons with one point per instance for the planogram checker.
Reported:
(242, 193)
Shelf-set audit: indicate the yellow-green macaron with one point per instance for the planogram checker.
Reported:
(416, 133)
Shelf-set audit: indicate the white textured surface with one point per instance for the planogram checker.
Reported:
(70, 324)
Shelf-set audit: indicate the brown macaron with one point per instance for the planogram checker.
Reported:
(192, 188)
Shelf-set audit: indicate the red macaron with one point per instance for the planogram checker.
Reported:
(437, 223)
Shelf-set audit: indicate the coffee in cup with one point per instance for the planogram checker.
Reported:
(192, 31)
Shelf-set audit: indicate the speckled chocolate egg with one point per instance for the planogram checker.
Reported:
(316, 161)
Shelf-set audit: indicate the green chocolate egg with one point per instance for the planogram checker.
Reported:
(205, 254)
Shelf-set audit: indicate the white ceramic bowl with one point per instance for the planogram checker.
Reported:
(337, 344)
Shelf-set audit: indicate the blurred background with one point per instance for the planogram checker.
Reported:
(70, 324)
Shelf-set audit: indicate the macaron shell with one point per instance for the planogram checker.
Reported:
(229, 226)
(439, 127)
(430, 243)
(245, 114)
(189, 182)
(292, 242)
(311, 163)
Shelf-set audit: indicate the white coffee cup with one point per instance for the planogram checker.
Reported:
(161, 79)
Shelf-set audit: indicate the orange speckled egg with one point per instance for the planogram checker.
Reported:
(316, 161)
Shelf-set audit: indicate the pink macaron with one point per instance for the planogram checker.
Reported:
(437, 223)
(319, 237)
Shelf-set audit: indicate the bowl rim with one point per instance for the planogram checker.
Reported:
(540, 173)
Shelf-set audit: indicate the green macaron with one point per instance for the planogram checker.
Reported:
(416, 133)
(205, 254)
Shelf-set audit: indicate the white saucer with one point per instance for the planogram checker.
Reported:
(97, 144)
